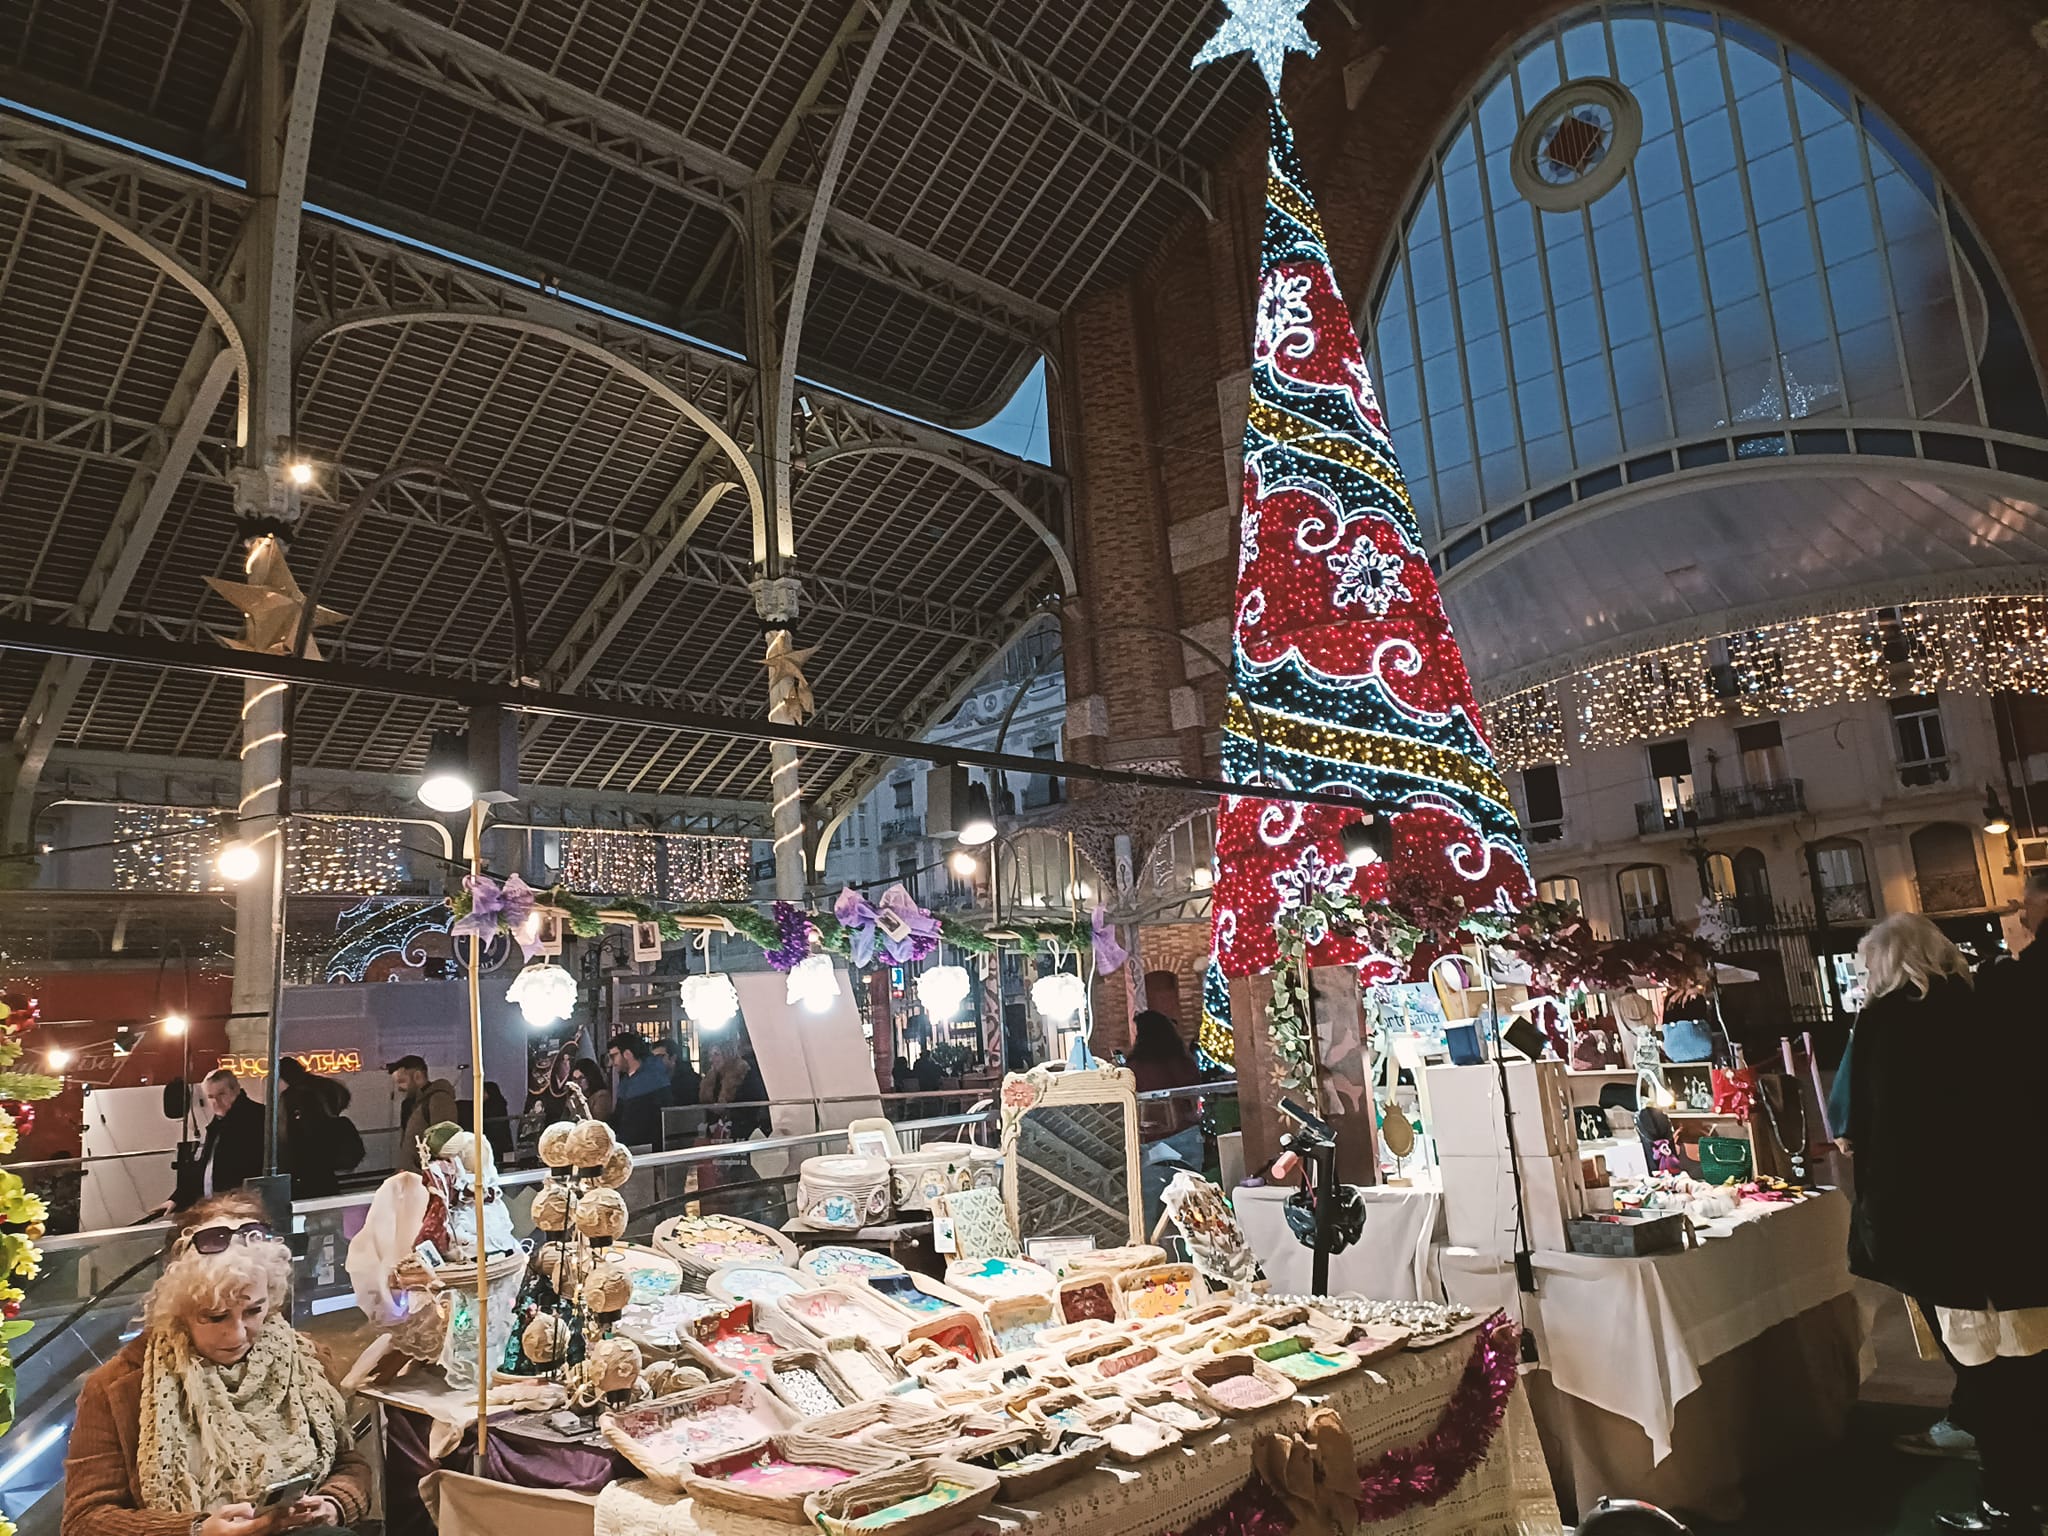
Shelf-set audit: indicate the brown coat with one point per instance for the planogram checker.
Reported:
(102, 1489)
(429, 1107)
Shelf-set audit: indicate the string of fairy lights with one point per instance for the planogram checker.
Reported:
(1958, 645)
(667, 865)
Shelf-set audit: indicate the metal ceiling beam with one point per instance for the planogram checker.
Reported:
(215, 661)
(202, 383)
(1165, 163)
(388, 35)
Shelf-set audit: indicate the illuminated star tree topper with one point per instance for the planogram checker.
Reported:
(1268, 30)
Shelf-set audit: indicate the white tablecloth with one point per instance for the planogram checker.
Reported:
(1395, 1261)
(1630, 1335)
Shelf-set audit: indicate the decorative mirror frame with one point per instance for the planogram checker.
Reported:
(1045, 1087)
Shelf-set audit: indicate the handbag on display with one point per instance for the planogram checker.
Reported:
(1734, 1091)
(1688, 1040)
(1724, 1160)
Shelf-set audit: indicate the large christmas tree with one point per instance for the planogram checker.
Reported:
(1347, 676)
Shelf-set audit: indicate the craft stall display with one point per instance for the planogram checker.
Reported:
(836, 1390)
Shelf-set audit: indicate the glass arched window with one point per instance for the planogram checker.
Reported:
(1563, 888)
(1720, 877)
(1645, 900)
(1653, 221)
(1843, 880)
(1752, 888)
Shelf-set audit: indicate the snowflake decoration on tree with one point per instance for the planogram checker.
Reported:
(1362, 391)
(1369, 576)
(1247, 541)
(1310, 876)
(1285, 321)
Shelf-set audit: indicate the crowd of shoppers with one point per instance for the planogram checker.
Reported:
(1944, 1068)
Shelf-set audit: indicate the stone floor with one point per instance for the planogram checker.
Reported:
(1863, 1487)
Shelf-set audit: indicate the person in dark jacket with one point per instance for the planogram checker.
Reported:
(642, 1093)
(684, 1085)
(232, 1152)
(1929, 1045)
(312, 1106)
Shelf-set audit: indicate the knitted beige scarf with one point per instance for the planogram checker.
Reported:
(222, 1434)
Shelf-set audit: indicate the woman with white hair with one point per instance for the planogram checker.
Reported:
(1928, 1049)
(216, 1404)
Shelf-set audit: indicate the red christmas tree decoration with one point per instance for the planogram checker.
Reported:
(1348, 678)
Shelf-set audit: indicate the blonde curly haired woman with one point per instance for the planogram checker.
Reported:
(218, 1400)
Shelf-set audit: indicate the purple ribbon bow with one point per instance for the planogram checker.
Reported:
(1109, 955)
(493, 907)
(916, 932)
(857, 916)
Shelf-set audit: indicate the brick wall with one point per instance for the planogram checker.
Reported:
(1150, 367)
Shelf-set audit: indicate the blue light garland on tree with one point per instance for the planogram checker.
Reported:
(1345, 667)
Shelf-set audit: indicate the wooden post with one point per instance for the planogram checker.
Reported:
(1257, 1097)
(1337, 1026)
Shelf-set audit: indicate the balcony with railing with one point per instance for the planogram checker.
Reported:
(1712, 807)
(1924, 773)
(903, 829)
(1643, 922)
(1847, 903)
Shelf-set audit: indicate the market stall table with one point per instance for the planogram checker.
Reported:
(1395, 1261)
(1499, 1486)
(1677, 1378)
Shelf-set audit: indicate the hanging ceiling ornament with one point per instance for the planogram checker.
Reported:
(813, 983)
(271, 602)
(711, 1001)
(942, 989)
(545, 994)
(1268, 30)
(785, 662)
(1060, 996)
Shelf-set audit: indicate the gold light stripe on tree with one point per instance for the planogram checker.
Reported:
(1283, 194)
(1311, 437)
(1373, 749)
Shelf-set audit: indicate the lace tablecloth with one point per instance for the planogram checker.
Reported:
(1397, 1402)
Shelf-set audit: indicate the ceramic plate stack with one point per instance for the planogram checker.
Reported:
(842, 1193)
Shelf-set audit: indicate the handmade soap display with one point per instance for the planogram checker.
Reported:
(582, 1280)
(413, 1265)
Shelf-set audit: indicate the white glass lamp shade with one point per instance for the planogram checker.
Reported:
(942, 989)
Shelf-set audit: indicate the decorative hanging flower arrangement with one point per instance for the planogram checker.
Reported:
(1060, 996)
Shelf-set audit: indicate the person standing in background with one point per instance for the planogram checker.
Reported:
(426, 1101)
(232, 1152)
(642, 1093)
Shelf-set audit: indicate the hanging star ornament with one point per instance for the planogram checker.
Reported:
(1268, 30)
(271, 603)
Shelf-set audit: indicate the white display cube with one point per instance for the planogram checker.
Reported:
(1466, 1118)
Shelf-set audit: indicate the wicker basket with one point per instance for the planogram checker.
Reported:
(1016, 1325)
(1139, 1437)
(939, 1435)
(781, 1497)
(1216, 1385)
(959, 1330)
(411, 1273)
(846, 1310)
(992, 1280)
(1089, 1298)
(664, 1437)
(1181, 1413)
(931, 1363)
(1127, 1359)
(1160, 1291)
(867, 1371)
(842, 1193)
(921, 1175)
(918, 1296)
(786, 1382)
(756, 1282)
(702, 1244)
(1076, 1412)
(1095, 1260)
(1025, 1465)
(1299, 1360)
(919, 1499)
(833, 1261)
(859, 1420)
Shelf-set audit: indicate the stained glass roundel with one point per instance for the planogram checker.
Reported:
(1575, 143)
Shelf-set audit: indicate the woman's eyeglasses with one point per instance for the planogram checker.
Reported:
(211, 1240)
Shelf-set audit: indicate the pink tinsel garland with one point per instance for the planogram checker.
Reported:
(1410, 1476)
